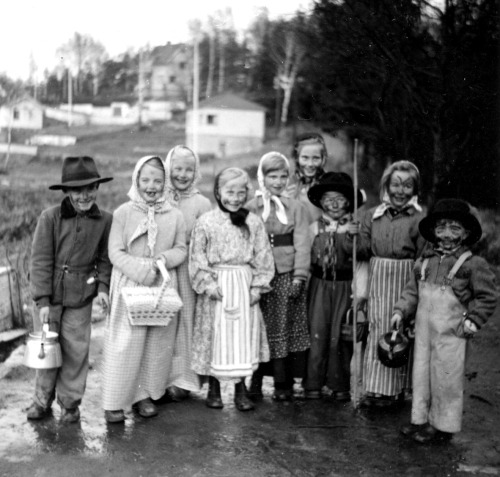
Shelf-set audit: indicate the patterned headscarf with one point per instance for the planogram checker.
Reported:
(148, 225)
(173, 195)
(267, 197)
(386, 205)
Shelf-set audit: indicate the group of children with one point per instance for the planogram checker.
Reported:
(266, 285)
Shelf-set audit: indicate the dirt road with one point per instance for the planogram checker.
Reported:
(301, 438)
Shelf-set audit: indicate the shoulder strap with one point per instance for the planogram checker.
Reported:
(422, 270)
(458, 264)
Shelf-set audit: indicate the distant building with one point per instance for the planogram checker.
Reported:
(168, 72)
(22, 113)
(227, 124)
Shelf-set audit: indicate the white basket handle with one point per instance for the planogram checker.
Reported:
(164, 271)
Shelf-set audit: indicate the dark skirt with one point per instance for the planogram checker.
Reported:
(286, 325)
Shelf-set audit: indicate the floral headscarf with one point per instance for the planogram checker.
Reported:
(267, 197)
(173, 195)
(148, 225)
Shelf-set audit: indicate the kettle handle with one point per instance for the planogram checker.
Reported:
(394, 336)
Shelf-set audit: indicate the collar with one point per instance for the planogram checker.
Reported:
(410, 208)
(434, 252)
(68, 211)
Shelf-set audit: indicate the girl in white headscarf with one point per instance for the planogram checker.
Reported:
(137, 359)
(284, 308)
(183, 174)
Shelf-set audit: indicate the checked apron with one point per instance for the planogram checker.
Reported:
(440, 350)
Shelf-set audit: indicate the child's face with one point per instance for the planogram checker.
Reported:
(334, 204)
(182, 172)
(233, 194)
(401, 188)
(82, 198)
(151, 183)
(310, 159)
(275, 181)
(450, 234)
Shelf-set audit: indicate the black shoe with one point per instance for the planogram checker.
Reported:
(281, 395)
(214, 399)
(114, 416)
(409, 430)
(255, 391)
(430, 435)
(241, 398)
(36, 412)
(176, 394)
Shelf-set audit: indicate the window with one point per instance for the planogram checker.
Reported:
(117, 111)
(182, 65)
(15, 113)
(211, 119)
(172, 79)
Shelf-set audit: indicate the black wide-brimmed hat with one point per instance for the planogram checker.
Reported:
(335, 182)
(79, 172)
(452, 209)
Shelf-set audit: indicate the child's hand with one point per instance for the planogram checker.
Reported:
(396, 320)
(216, 294)
(150, 278)
(296, 288)
(103, 301)
(44, 314)
(353, 228)
(469, 328)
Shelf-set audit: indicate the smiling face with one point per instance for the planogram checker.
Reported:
(401, 189)
(276, 181)
(82, 198)
(310, 159)
(334, 204)
(150, 183)
(182, 171)
(449, 234)
(233, 194)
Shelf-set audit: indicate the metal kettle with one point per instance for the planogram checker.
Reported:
(393, 349)
(43, 350)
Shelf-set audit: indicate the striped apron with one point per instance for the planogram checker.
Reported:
(386, 282)
(236, 327)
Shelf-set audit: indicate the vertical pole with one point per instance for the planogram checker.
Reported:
(70, 98)
(196, 91)
(355, 292)
(140, 92)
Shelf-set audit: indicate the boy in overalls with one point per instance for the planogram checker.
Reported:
(453, 294)
(69, 267)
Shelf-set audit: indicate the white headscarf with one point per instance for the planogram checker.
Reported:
(267, 197)
(386, 204)
(148, 225)
(173, 195)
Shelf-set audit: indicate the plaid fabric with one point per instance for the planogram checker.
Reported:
(181, 374)
(387, 280)
(137, 359)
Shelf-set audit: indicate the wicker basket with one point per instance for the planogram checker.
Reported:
(152, 306)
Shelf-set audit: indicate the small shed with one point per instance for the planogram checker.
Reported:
(22, 113)
(227, 124)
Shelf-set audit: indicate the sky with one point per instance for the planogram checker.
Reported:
(36, 28)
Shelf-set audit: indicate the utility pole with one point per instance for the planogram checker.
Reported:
(195, 30)
(70, 98)
(140, 91)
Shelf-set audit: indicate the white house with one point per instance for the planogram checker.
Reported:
(22, 113)
(227, 124)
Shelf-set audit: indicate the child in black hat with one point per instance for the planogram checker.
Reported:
(69, 267)
(453, 294)
(329, 294)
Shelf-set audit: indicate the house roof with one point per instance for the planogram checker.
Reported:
(230, 101)
(164, 55)
(23, 99)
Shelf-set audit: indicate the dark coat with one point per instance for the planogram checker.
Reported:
(68, 249)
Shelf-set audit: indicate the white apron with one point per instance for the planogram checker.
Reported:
(440, 350)
(236, 332)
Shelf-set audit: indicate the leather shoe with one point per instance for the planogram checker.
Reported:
(146, 408)
(214, 400)
(70, 415)
(36, 412)
(241, 399)
(409, 430)
(430, 434)
(176, 394)
(114, 416)
(281, 395)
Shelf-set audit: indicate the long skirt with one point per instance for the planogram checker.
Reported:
(137, 359)
(329, 357)
(229, 337)
(386, 282)
(181, 374)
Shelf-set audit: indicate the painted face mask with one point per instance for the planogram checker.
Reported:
(401, 189)
(450, 234)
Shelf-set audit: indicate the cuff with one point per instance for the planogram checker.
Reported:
(43, 301)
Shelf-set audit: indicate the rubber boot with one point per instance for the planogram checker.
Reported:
(214, 399)
(255, 391)
(241, 398)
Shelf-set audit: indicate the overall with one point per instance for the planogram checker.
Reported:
(440, 350)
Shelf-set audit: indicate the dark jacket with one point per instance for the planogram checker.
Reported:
(474, 285)
(68, 249)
